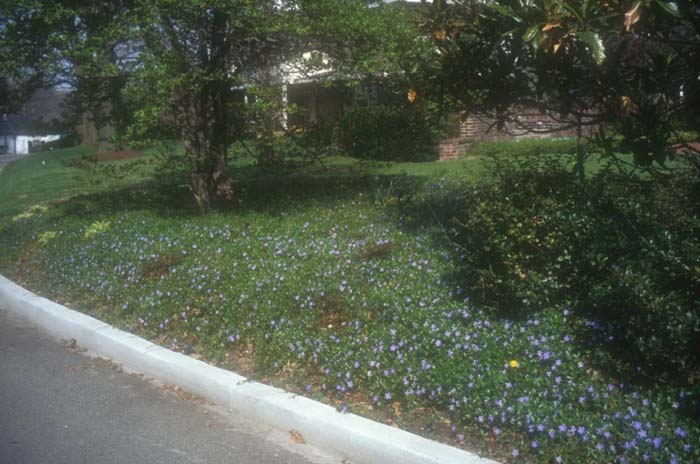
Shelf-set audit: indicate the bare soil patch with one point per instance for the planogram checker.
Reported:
(118, 155)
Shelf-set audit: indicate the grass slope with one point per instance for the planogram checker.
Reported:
(39, 178)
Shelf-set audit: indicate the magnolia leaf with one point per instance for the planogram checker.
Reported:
(626, 102)
(670, 7)
(297, 437)
(531, 33)
(632, 16)
(550, 26)
(505, 11)
(411, 95)
(593, 40)
(537, 39)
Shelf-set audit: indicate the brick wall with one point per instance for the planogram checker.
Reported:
(528, 124)
(452, 148)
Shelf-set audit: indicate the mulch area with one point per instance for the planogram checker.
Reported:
(118, 155)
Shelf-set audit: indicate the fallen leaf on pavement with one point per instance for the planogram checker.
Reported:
(391, 423)
(297, 437)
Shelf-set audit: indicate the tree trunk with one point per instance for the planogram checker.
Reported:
(105, 128)
(102, 89)
(205, 147)
(210, 182)
(580, 151)
(111, 121)
(200, 111)
(202, 123)
(213, 184)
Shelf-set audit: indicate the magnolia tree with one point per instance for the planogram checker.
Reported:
(632, 66)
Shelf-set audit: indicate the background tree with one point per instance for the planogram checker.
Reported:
(354, 45)
(82, 46)
(194, 57)
(375, 52)
(180, 65)
(198, 58)
(4, 95)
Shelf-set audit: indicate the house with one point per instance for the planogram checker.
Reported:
(19, 135)
(316, 95)
(313, 92)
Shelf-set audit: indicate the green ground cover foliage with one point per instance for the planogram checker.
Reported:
(546, 320)
(623, 250)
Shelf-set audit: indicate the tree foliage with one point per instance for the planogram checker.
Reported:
(179, 68)
(79, 45)
(617, 64)
(199, 58)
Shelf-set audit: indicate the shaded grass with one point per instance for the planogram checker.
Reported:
(58, 175)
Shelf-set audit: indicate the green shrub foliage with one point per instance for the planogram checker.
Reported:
(622, 251)
(387, 133)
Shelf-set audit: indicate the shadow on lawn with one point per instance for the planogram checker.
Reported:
(271, 191)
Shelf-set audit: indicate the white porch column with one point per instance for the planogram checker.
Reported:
(284, 106)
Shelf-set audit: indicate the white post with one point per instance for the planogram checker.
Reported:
(284, 106)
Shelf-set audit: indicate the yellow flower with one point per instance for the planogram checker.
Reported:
(514, 363)
(97, 228)
(46, 237)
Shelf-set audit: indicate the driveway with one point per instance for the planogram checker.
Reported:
(59, 406)
(7, 159)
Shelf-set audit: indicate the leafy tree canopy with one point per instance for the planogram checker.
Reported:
(631, 65)
(176, 68)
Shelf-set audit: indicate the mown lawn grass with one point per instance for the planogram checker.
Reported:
(39, 178)
(59, 175)
(339, 283)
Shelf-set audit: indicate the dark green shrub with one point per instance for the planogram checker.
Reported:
(621, 251)
(298, 145)
(387, 133)
(512, 232)
(315, 141)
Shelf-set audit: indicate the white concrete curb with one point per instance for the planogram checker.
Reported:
(357, 439)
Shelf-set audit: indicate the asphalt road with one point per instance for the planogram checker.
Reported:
(58, 406)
